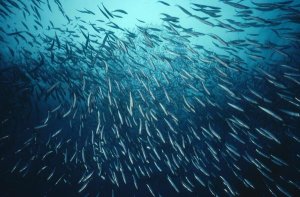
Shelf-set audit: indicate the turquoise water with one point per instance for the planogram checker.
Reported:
(149, 98)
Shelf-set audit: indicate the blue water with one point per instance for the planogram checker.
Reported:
(110, 98)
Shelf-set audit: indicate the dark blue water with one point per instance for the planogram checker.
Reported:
(149, 98)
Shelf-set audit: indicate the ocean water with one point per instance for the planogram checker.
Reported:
(149, 98)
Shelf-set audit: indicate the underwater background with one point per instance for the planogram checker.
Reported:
(149, 98)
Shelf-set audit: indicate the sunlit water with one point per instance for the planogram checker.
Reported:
(149, 98)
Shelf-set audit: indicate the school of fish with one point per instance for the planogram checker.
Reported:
(151, 111)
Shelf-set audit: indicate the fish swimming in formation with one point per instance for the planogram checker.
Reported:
(93, 108)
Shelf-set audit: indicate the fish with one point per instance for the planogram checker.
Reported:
(86, 11)
(106, 10)
(172, 184)
(271, 113)
(120, 11)
(164, 3)
(199, 97)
